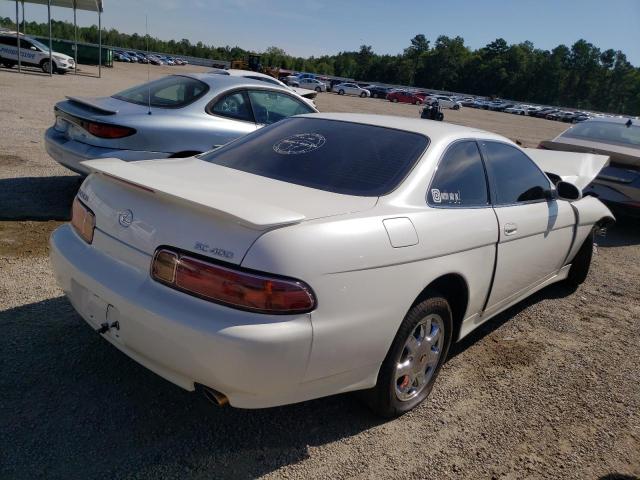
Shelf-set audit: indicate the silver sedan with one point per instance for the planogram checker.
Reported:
(174, 116)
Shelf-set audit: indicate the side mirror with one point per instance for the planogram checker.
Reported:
(568, 191)
(33, 48)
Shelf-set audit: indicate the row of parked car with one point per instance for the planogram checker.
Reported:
(153, 59)
(550, 113)
(395, 95)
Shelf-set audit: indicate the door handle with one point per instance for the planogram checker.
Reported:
(510, 228)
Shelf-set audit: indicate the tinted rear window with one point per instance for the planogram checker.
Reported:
(335, 156)
(173, 91)
(606, 132)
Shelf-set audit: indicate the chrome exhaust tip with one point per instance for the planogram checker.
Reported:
(215, 397)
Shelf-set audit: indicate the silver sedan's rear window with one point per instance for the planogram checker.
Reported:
(606, 132)
(174, 91)
(335, 156)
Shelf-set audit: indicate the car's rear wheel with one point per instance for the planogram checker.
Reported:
(581, 262)
(456, 107)
(418, 102)
(417, 353)
(374, 95)
(395, 100)
(318, 89)
(341, 92)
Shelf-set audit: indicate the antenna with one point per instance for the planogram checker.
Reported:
(146, 25)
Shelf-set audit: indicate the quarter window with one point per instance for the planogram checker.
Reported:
(235, 105)
(460, 179)
(270, 107)
(514, 176)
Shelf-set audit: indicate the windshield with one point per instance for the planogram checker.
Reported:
(335, 156)
(606, 132)
(39, 45)
(173, 91)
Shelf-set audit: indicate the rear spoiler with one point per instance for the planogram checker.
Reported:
(91, 103)
(577, 168)
(252, 214)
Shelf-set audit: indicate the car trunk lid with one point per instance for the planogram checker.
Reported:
(200, 207)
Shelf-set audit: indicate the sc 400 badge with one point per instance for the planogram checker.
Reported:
(220, 252)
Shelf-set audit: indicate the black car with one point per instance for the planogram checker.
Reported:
(617, 185)
(544, 112)
(378, 92)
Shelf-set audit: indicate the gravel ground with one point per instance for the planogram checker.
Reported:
(549, 389)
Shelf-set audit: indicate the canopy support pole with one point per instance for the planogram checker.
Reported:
(75, 39)
(18, 38)
(24, 25)
(100, 43)
(50, 41)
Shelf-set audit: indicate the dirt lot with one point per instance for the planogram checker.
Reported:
(549, 389)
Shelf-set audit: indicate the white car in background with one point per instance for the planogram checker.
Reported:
(309, 84)
(32, 53)
(444, 101)
(263, 77)
(322, 254)
(351, 89)
(522, 109)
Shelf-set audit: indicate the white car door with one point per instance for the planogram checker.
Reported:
(536, 231)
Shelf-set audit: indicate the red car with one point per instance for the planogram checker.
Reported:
(405, 97)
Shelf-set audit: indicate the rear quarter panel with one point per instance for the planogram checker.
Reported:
(365, 287)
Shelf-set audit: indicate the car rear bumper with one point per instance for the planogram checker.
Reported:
(70, 153)
(255, 360)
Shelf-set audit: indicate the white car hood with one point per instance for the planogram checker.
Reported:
(577, 168)
(62, 55)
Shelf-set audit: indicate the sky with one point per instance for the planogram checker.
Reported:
(317, 27)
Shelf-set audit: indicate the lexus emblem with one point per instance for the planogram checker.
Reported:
(125, 218)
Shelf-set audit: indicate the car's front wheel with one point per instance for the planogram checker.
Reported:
(417, 353)
(395, 100)
(318, 89)
(581, 262)
(456, 107)
(363, 94)
(46, 66)
(341, 92)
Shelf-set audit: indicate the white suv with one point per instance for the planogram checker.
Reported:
(32, 53)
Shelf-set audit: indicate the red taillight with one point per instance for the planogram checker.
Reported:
(83, 220)
(104, 130)
(232, 287)
(542, 147)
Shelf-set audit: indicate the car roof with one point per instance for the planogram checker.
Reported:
(217, 81)
(436, 131)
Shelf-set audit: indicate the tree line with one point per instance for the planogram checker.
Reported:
(580, 76)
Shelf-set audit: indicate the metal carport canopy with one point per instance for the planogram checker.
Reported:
(90, 5)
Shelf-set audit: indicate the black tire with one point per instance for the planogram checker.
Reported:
(383, 399)
(362, 95)
(318, 89)
(440, 116)
(374, 95)
(456, 107)
(581, 262)
(341, 92)
(44, 65)
(418, 102)
(395, 100)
